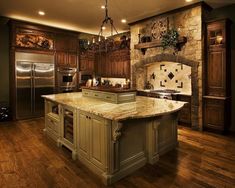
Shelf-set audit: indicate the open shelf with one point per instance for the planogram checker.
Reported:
(157, 43)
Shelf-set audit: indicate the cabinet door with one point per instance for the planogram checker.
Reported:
(214, 114)
(83, 135)
(72, 60)
(98, 152)
(64, 42)
(100, 59)
(216, 73)
(87, 60)
(60, 42)
(61, 59)
(185, 113)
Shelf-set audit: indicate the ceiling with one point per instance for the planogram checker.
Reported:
(86, 15)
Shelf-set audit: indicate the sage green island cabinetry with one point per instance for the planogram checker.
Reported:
(113, 140)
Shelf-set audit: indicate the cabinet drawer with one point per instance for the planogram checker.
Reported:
(128, 97)
(52, 124)
(86, 93)
(109, 97)
(97, 95)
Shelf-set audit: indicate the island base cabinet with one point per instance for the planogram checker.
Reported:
(52, 128)
(52, 121)
(92, 141)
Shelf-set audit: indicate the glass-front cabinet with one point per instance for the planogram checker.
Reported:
(68, 128)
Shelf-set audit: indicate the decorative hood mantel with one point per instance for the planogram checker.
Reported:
(189, 24)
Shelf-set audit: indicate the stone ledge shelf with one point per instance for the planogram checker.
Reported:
(157, 43)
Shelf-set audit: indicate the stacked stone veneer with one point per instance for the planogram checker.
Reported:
(189, 24)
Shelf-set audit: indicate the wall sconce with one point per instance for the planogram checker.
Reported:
(219, 39)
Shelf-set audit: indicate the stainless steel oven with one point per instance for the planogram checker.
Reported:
(67, 79)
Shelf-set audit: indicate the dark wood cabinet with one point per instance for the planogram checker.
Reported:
(218, 77)
(185, 113)
(217, 113)
(66, 59)
(87, 61)
(113, 64)
(66, 42)
(66, 45)
(216, 72)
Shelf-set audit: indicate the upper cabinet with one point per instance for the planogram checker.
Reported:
(87, 60)
(113, 64)
(218, 60)
(66, 59)
(66, 46)
(66, 42)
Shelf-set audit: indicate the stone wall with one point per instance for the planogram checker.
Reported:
(189, 24)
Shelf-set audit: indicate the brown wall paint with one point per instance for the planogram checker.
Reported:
(4, 64)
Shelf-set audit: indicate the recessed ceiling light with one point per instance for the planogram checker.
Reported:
(123, 20)
(103, 28)
(188, 1)
(41, 13)
(102, 6)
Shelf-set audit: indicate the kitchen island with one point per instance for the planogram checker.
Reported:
(112, 140)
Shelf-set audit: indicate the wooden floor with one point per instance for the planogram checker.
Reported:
(29, 159)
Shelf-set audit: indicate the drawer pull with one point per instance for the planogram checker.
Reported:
(108, 97)
(96, 95)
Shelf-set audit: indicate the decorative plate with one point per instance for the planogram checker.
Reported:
(159, 28)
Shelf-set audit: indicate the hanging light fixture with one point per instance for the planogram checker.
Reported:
(105, 40)
(108, 21)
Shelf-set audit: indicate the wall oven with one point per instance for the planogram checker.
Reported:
(67, 79)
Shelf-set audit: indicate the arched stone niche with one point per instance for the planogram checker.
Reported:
(139, 72)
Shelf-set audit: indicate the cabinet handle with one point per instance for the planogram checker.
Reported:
(96, 95)
(86, 116)
(89, 117)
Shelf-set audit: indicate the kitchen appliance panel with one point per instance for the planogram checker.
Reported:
(34, 77)
(67, 79)
(43, 84)
(24, 87)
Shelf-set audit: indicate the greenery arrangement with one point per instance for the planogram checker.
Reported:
(170, 39)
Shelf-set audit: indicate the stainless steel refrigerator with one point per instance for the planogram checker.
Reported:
(34, 77)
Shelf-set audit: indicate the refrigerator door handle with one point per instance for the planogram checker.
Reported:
(33, 87)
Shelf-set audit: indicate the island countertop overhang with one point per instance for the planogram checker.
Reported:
(143, 107)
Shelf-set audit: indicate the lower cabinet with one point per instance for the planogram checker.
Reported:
(52, 120)
(52, 127)
(92, 139)
(216, 113)
(185, 113)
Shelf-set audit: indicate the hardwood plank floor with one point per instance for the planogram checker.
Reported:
(29, 159)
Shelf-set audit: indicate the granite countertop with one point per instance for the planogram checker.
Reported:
(143, 107)
(110, 89)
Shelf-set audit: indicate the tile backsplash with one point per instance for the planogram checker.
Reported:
(170, 75)
(114, 81)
